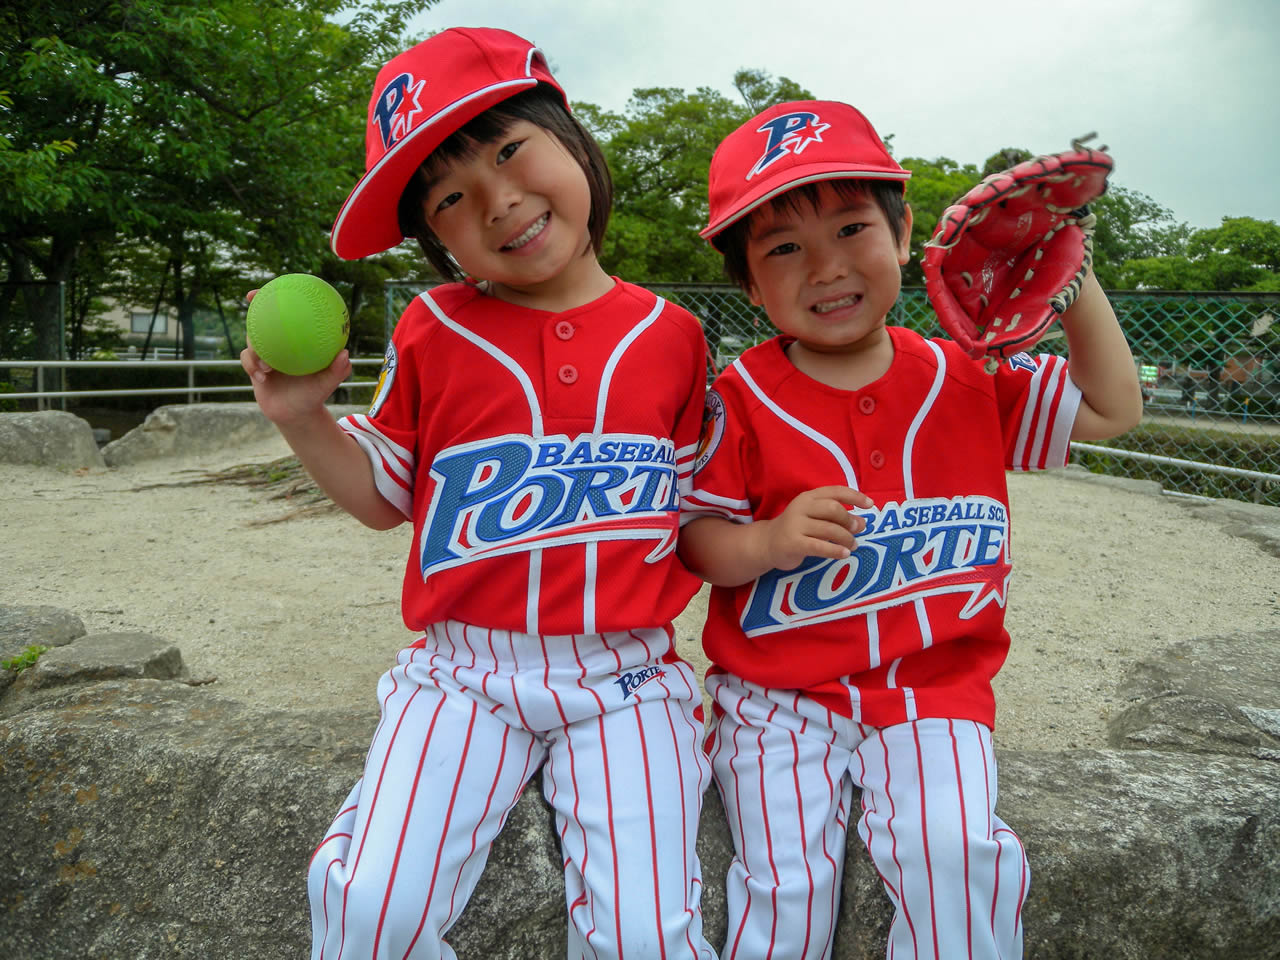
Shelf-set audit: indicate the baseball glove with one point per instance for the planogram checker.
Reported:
(1008, 258)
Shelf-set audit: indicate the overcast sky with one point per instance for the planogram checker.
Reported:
(1186, 93)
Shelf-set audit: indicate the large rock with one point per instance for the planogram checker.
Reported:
(184, 430)
(189, 429)
(1209, 695)
(48, 438)
(25, 626)
(148, 818)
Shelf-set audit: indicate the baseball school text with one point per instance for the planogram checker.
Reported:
(916, 549)
(515, 493)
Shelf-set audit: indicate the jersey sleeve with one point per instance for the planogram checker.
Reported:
(388, 432)
(688, 428)
(1038, 401)
(720, 467)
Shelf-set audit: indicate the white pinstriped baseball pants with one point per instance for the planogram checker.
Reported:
(786, 768)
(468, 716)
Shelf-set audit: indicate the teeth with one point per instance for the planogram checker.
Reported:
(535, 228)
(830, 305)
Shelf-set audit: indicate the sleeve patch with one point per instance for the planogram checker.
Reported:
(385, 379)
(713, 418)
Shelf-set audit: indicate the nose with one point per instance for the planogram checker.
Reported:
(501, 197)
(827, 264)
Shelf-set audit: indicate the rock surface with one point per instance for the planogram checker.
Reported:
(153, 818)
(183, 430)
(48, 438)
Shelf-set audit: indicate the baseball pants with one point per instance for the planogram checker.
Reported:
(467, 716)
(786, 768)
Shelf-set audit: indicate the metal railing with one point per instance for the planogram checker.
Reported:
(192, 390)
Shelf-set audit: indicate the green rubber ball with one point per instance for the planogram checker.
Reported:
(297, 323)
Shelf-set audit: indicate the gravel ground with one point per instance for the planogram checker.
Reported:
(290, 610)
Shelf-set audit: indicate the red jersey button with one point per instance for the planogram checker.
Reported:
(564, 330)
(568, 373)
(867, 405)
(877, 459)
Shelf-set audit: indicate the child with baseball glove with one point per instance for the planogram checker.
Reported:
(536, 423)
(850, 510)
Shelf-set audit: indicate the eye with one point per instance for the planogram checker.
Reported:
(782, 249)
(849, 229)
(505, 153)
(448, 201)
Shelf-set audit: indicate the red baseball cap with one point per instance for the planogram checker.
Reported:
(791, 144)
(420, 98)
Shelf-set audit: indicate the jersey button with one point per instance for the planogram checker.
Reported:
(568, 373)
(867, 405)
(877, 459)
(564, 330)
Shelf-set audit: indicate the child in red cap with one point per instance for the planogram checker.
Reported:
(842, 662)
(537, 425)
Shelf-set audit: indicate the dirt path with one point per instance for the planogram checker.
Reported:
(305, 612)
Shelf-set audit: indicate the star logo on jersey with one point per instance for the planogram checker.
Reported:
(398, 108)
(908, 551)
(788, 134)
(515, 494)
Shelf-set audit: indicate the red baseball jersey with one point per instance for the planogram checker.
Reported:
(912, 624)
(541, 458)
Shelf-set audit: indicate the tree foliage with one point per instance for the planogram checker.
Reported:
(219, 136)
(659, 150)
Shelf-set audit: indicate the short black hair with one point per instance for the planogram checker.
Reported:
(542, 106)
(732, 241)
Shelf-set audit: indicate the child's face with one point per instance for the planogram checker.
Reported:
(827, 276)
(516, 213)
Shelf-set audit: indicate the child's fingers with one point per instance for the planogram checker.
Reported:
(818, 547)
(845, 495)
(828, 532)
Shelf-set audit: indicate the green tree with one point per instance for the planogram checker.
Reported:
(1132, 226)
(214, 133)
(1242, 253)
(659, 150)
(934, 186)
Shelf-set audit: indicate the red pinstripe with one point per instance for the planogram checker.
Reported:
(808, 871)
(924, 839)
(964, 832)
(444, 829)
(741, 830)
(653, 843)
(893, 812)
(373, 806)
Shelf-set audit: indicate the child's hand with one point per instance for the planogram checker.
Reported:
(816, 523)
(283, 398)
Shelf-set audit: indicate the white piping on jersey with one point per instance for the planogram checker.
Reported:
(926, 629)
(589, 588)
(1060, 437)
(602, 395)
(939, 376)
(1029, 414)
(873, 640)
(391, 457)
(535, 410)
(533, 593)
(825, 442)
(909, 701)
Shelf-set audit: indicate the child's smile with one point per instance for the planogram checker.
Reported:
(827, 274)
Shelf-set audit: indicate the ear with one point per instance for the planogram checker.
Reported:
(753, 294)
(904, 240)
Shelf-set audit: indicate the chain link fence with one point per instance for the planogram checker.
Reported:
(1209, 364)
